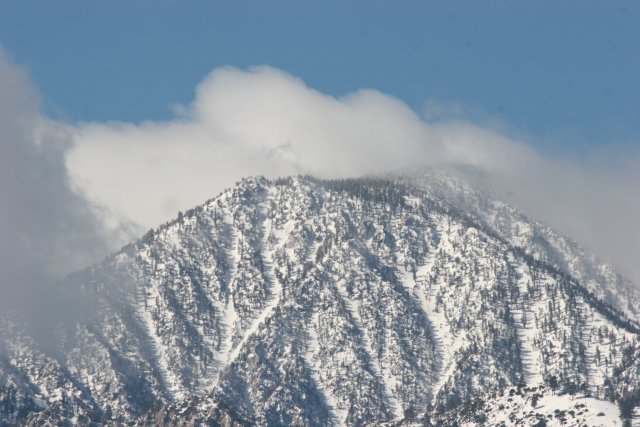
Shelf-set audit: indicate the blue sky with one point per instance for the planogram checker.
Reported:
(565, 72)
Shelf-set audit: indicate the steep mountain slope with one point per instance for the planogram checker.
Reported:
(309, 302)
(535, 239)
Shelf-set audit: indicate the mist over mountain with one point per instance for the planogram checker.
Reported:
(47, 229)
(301, 301)
(265, 121)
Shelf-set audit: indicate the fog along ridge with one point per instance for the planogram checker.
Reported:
(308, 302)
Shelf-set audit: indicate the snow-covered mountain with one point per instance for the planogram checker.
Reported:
(349, 302)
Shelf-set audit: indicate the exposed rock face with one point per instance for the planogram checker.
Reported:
(308, 302)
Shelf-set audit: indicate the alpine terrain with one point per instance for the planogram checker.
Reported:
(415, 300)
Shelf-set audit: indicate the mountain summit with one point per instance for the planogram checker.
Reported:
(301, 301)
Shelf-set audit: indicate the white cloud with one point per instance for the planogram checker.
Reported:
(264, 121)
(243, 123)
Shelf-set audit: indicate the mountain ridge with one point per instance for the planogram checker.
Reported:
(319, 302)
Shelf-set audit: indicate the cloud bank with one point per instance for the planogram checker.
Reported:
(243, 123)
(264, 121)
(46, 228)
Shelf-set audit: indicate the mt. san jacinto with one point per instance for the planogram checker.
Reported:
(299, 301)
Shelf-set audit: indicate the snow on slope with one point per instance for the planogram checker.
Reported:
(348, 302)
(525, 406)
